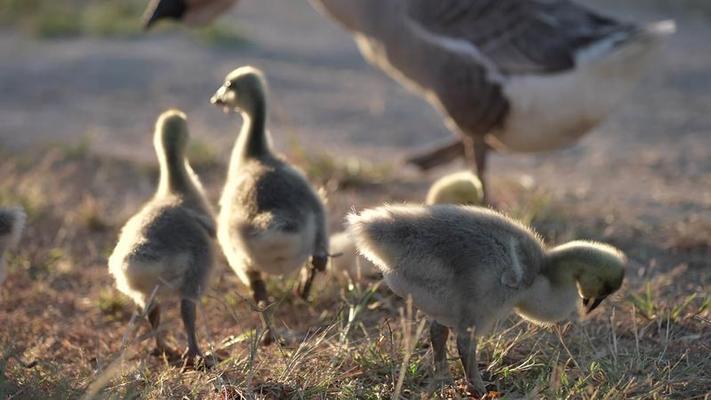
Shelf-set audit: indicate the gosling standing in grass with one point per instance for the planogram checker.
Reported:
(462, 188)
(167, 248)
(271, 220)
(12, 221)
(451, 260)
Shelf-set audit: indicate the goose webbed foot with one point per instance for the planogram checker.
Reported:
(438, 154)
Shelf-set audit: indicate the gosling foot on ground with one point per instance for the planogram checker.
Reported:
(199, 362)
(167, 353)
(480, 390)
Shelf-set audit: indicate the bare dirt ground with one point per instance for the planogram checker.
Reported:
(641, 181)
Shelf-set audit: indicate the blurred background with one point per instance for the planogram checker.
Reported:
(84, 71)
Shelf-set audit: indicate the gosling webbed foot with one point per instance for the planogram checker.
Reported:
(167, 353)
(198, 361)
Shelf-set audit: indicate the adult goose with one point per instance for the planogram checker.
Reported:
(510, 75)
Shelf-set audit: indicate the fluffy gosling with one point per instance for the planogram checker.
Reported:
(271, 220)
(167, 247)
(12, 222)
(462, 188)
(452, 262)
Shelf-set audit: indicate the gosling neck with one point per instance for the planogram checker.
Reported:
(175, 177)
(553, 296)
(253, 141)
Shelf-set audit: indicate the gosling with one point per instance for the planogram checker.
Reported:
(167, 248)
(451, 261)
(271, 220)
(12, 222)
(462, 188)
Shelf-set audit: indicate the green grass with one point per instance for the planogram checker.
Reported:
(99, 18)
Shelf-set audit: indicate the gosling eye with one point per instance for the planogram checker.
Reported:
(228, 84)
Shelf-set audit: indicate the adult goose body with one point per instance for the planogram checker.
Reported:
(510, 75)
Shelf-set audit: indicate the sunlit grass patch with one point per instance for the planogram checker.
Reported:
(73, 18)
(334, 173)
(356, 341)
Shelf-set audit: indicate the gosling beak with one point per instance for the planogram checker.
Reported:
(163, 9)
(591, 304)
(218, 98)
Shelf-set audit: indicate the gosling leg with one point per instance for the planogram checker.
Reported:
(318, 264)
(438, 336)
(259, 294)
(161, 347)
(466, 345)
(187, 312)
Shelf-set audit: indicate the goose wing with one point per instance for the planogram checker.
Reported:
(518, 36)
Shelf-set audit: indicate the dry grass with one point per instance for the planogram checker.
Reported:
(58, 307)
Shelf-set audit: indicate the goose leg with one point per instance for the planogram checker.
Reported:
(466, 345)
(161, 347)
(259, 294)
(438, 336)
(476, 151)
(437, 155)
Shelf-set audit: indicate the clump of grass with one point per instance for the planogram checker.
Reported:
(117, 18)
(335, 173)
(113, 305)
(52, 19)
(222, 34)
(202, 155)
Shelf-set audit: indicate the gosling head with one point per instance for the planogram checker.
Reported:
(599, 269)
(171, 135)
(243, 90)
(459, 188)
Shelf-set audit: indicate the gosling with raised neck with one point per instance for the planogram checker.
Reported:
(167, 247)
(271, 220)
(452, 261)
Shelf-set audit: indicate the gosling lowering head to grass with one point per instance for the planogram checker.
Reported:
(12, 221)
(167, 247)
(453, 261)
(462, 188)
(271, 220)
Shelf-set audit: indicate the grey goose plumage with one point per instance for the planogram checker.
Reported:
(166, 249)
